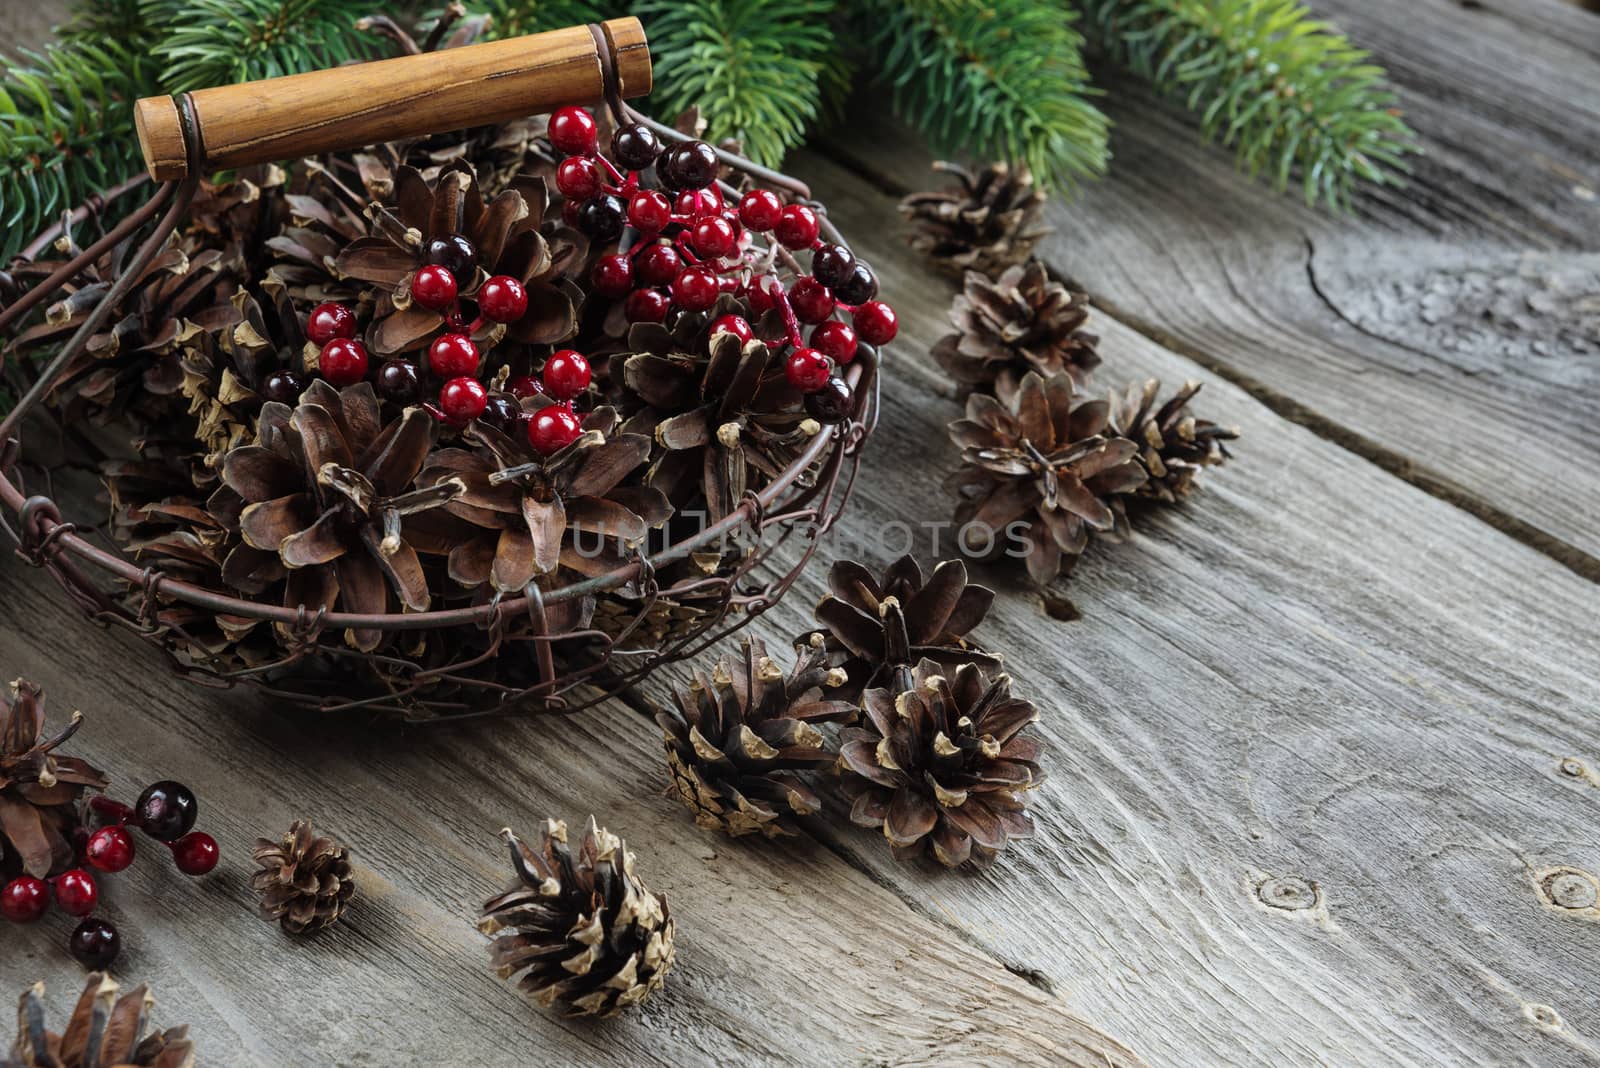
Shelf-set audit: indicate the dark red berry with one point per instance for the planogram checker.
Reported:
(760, 210)
(572, 130)
(687, 165)
(94, 943)
(832, 264)
(502, 412)
(283, 386)
(875, 322)
(697, 203)
(328, 321)
(833, 403)
(453, 355)
(434, 287)
(760, 297)
(570, 210)
(647, 306)
(502, 299)
(553, 428)
(635, 146)
(399, 382)
(463, 399)
(525, 386)
(454, 253)
(807, 370)
(166, 810)
(811, 300)
(860, 287)
(696, 288)
(797, 226)
(659, 265)
(343, 361)
(195, 853)
(24, 899)
(76, 892)
(649, 211)
(834, 340)
(602, 217)
(566, 374)
(578, 178)
(109, 849)
(735, 325)
(714, 237)
(613, 276)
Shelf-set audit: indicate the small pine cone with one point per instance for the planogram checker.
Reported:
(737, 741)
(104, 1030)
(1022, 321)
(944, 766)
(1173, 445)
(304, 882)
(39, 788)
(987, 222)
(579, 930)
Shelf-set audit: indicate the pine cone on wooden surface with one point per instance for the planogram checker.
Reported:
(39, 789)
(987, 222)
(1174, 446)
(943, 767)
(738, 742)
(1020, 322)
(305, 881)
(105, 1031)
(578, 930)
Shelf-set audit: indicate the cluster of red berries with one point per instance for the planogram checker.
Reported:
(554, 426)
(166, 812)
(688, 250)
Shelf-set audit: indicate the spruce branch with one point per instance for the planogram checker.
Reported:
(1001, 79)
(1287, 92)
(219, 42)
(514, 18)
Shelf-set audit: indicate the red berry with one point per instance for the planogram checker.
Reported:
(76, 892)
(835, 340)
(697, 203)
(735, 325)
(453, 355)
(195, 853)
(649, 211)
(760, 297)
(525, 386)
(715, 237)
(647, 306)
(760, 209)
(797, 226)
(807, 370)
(811, 300)
(566, 374)
(659, 265)
(110, 849)
(24, 899)
(343, 361)
(696, 288)
(328, 321)
(572, 130)
(570, 211)
(502, 299)
(613, 276)
(876, 322)
(463, 399)
(578, 178)
(434, 287)
(553, 428)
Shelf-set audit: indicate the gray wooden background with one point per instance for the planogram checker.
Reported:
(1325, 772)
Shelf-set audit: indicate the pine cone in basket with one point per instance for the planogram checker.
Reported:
(105, 1031)
(738, 742)
(987, 222)
(943, 766)
(1020, 322)
(304, 881)
(878, 629)
(39, 790)
(1040, 471)
(581, 931)
(1174, 446)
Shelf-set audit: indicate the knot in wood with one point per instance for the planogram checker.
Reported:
(1569, 888)
(1289, 892)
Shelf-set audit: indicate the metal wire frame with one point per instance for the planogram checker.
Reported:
(509, 660)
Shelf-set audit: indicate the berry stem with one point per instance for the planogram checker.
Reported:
(115, 811)
(790, 321)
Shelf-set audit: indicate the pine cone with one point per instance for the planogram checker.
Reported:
(1040, 470)
(987, 223)
(1173, 445)
(39, 791)
(105, 1031)
(878, 630)
(737, 741)
(1017, 323)
(943, 766)
(304, 882)
(582, 930)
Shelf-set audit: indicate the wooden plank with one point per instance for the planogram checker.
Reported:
(1314, 747)
(785, 953)
(1450, 331)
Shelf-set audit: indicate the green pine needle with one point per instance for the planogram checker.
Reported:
(219, 42)
(1288, 93)
(514, 18)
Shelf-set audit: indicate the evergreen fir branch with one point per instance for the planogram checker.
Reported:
(219, 42)
(1000, 79)
(514, 18)
(1288, 93)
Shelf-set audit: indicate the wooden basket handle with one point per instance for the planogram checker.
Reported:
(413, 96)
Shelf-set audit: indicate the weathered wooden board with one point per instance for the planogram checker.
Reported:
(1451, 331)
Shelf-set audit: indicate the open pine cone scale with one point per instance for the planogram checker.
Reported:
(39, 789)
